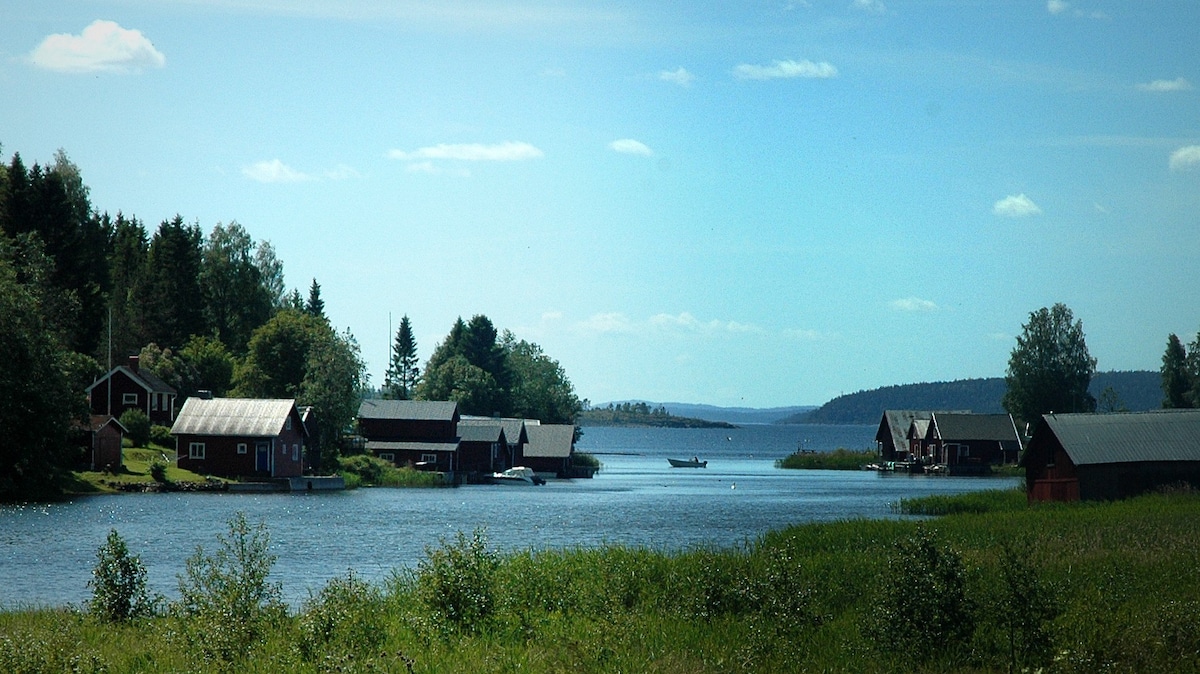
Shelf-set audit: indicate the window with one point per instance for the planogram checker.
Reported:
(196, 450)
(296, 452)
(388, 456)
(288, 424)
(129, 399)
(154, 401)
(241, 448)
(429, 458)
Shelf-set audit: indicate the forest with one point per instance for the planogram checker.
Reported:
(81, 290)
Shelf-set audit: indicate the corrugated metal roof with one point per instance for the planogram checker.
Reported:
(379, 445)
(951, 426)
(1164, 435)
(897, 423)
(513, 428)
(427, 410)
(550, 440)
(246, 417)
(492, 432)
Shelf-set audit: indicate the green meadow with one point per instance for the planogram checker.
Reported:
(992, 585)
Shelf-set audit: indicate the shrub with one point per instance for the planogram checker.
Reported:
(137, 427)
(455, 582)
(345, 616)
(158, 471)
(118, 583)
(161, 435)
(923, 610)
(225, 599)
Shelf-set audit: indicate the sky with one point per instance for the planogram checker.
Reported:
(751, 203)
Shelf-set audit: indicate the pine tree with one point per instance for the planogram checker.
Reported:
(1176, 380)
(315, 305)
(403, 372)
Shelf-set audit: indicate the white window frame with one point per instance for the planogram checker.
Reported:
(387, 456)
(195, 450)
(429, 458)
(129, 398)
(241, 448)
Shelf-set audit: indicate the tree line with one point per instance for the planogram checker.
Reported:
(81, 289)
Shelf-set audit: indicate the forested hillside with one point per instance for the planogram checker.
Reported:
(1131, 391)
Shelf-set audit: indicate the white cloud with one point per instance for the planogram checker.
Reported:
(1057, 6)
(274, 171)
(1159, 86)
(342, 172)
(618, 323)
(1016, 206)
(913, 305)
(630, 146)
(688, 323)
(785, 69)
(806, 335)
(103, 46)
(609, 323)
(678, 76)
(506, 151)
(1185, 158)
(874, 6)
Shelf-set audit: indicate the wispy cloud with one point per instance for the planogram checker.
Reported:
(104, 46)
(506, 151)
(913, 305)
(1160, 86)
(785, 70)
(1184, 158)
(678, 76)
(275, 171)
(1059, 7)
(607, 323)
(630, 146)
(873, 6)
(686, 322)
(664, 324)
(1016, 206)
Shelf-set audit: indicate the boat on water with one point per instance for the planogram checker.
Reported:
(517, 475)
(688, 463)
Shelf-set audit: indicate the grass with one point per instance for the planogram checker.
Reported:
(838, 459)
(134, 471)
(1119, 578)
(362, 470)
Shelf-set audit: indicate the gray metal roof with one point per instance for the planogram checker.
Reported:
(425, 410)
(1163, 435)
(513, 428)
(245, 417)
(382, 446)
(142, 377)
(550, 440)
(951, 426)
(896, 423)
(492, 432)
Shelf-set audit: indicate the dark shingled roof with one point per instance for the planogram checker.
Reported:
(550, 440)
(383, 446)
(1163, 435)
(513, 428)
(425, 410)
(481, 432)
(897, 422)
(958, 426)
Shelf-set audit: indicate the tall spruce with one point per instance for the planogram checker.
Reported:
(404, 371)
(128, 248)
(1176, 379)
(315, 305)
(173, 298)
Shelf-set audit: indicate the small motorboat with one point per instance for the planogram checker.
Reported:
(517, 475)
(688, 463)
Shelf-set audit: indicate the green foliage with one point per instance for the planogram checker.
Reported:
(362, 469)
(161, 436)
(1050, 368)
(641, 414)
(1023, 610)
(977, 502)
(345, 617)
(209, 366)
(839, 459)
(171, 296)
(158, 471)
(585, 460)
(236, 301)
(403, 373)
(315, 306)
(226, 603)
(455, 582)
(137, 427)
(118, 583)
(922, 610)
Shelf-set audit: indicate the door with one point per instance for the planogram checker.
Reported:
(262, 461)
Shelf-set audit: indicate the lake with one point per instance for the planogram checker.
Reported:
(47, 551)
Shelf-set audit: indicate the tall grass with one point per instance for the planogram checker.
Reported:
(1051, 588)
(839, 459)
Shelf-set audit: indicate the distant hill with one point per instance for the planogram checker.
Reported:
(1135, 391)
(733, 415)
(642, 414)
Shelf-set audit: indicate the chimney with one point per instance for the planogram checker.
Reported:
(133, 363)
(204, 394)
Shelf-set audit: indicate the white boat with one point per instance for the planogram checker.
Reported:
(517, 475)
(688, 463)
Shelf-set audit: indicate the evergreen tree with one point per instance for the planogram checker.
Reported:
(236, 301)
(128, 248)
(1050, 368)
(1176, 379)
(172, 294)
(315, 305)
(403, 372)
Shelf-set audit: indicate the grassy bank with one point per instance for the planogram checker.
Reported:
(362, 470)
(838, 459)
(136, 470)
(1000, 586)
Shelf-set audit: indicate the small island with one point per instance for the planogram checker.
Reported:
(641, 414)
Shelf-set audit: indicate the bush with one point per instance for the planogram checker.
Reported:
(161, 435)
(346, 617)
(137, 427)
(455, 582)
(226, 603)
(158, 471)
(118, 583)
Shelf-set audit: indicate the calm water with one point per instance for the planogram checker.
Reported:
(47, 550)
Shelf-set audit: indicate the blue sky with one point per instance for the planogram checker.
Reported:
(736, 203)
